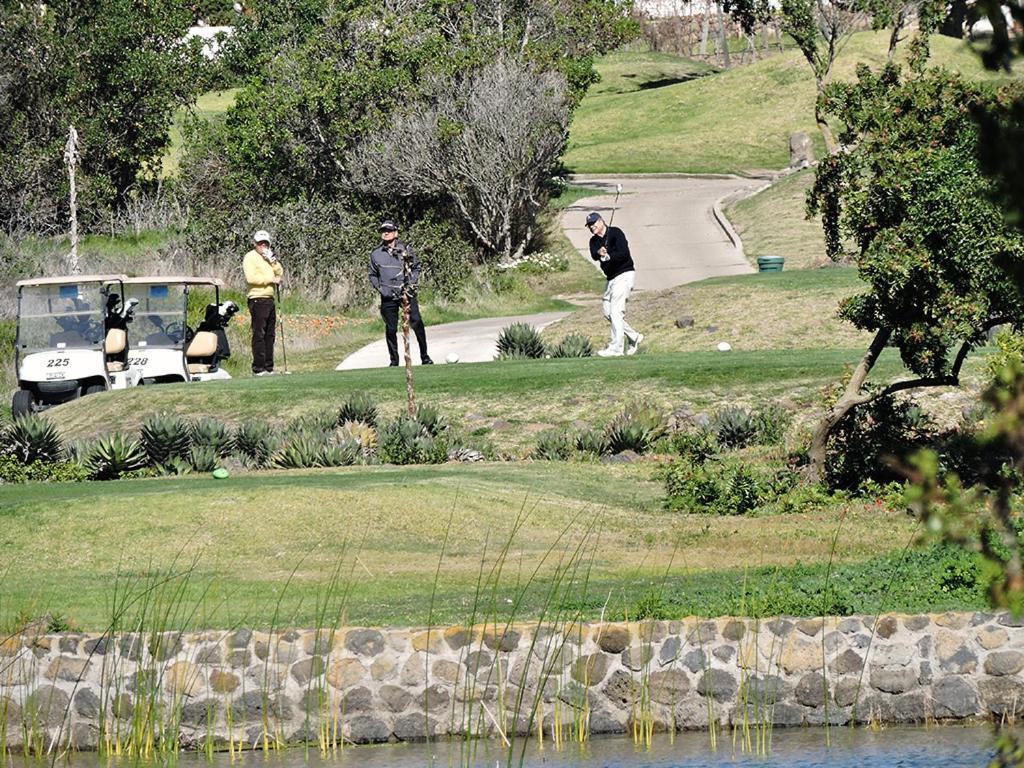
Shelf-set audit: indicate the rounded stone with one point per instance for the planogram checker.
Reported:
(357, 700)
(446, 671)
(395, 697)
(87, 704)
(344, 673)
(47, 704)
(886, 627)
(718, 684)
(365, 729)
(669, 686)
(734, 630)
(991, 638)
(612, 638)
(364, 642)
(590, 670)
(893, 679)
(307, 669)
(1001, 663)
(810, 691)
(954, 697)
(223, 682)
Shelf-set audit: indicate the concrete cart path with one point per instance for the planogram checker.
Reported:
(670, 224)
(474, 341)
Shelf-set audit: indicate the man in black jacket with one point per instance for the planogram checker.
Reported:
(609, 248)
(387, 264)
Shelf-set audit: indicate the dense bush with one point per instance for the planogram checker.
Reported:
(424, 439)
(13, 470)
(871, 442)
(725, 487)
(696, 446)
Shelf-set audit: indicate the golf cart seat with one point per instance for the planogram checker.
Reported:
(115, 345)
(201, 352)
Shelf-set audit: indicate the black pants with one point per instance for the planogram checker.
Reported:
(391, 311)
(264, 323)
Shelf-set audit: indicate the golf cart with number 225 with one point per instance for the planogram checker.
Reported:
(72, 340)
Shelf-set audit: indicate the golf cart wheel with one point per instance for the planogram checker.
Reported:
(22, 403)
(94, 389)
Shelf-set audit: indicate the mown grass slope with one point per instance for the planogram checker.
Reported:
(264, 544)
(732, 121)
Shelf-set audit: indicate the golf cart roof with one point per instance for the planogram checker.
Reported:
(70, 280)
(175, 279)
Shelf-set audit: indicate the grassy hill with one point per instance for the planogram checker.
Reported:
(732, 121)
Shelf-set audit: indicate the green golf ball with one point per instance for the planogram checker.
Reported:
(220, 473)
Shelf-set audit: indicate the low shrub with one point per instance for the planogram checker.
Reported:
(734, 427)
(725, 487)
(591, 442)
(771, 424)
(203, 458)
(13, 470)
(520, 340)
(696, 446)
(407, 441)
(359, 432)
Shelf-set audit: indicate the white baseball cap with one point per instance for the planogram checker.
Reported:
(261, 236)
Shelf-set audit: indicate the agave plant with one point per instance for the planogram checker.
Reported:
(574, 345)
(213, 434)
(203, 458)
(432, 420)
(34, 438)
(358, 407)
(318, 423)
(637, 428)
(300, 451)
(554, 445)
(734, 427)
(164, 437)
(359, 432)
(340, 454)
(407, 441)
(114, 456)
(591, 441)
(520, 340)
(254, 444)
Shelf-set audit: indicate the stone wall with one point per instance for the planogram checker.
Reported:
(369, 685)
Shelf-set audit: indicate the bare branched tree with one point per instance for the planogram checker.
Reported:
(485, 145)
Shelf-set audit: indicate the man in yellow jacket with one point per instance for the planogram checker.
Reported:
(263, 274)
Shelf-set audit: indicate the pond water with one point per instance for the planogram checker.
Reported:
(902, 747)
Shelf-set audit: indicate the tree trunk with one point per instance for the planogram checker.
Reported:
(850, 399)
(953, 25)
(723, 38)
(705, 28)
(819, 117)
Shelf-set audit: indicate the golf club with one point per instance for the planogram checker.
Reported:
(280, 322)
(615, 205)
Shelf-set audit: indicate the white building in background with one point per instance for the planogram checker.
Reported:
(213, 38)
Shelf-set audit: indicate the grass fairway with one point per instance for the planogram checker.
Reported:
(263, 543)
(765, 311)
(509, 401)
(729, 122)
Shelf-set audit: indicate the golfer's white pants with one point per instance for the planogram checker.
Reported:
(614, 307)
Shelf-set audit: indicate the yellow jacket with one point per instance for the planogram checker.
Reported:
(259, 274)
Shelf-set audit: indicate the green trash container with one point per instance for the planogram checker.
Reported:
(770, 263)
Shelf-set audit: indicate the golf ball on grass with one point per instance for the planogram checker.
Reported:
(724, 346)
(452, 358)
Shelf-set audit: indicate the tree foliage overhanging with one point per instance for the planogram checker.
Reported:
(115, 69)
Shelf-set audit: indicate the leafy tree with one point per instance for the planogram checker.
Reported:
(928, 240)
(115, 69)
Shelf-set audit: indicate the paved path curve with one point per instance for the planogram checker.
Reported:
(673, 235)
(670, 223)
(474, 341)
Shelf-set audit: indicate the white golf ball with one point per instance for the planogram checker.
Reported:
(452, 358)
(724, 346)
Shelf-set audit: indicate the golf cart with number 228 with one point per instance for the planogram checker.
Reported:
(72, 340)
(166, 348)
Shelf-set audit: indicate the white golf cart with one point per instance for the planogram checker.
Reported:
(166, 349)
(72, 339)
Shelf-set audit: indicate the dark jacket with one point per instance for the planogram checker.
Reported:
(619, 260)
(386, 266)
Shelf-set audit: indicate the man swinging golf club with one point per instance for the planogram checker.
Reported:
(609, 248)
(263, 274)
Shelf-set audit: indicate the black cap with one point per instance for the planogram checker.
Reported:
(593, 217)
(388, 226)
